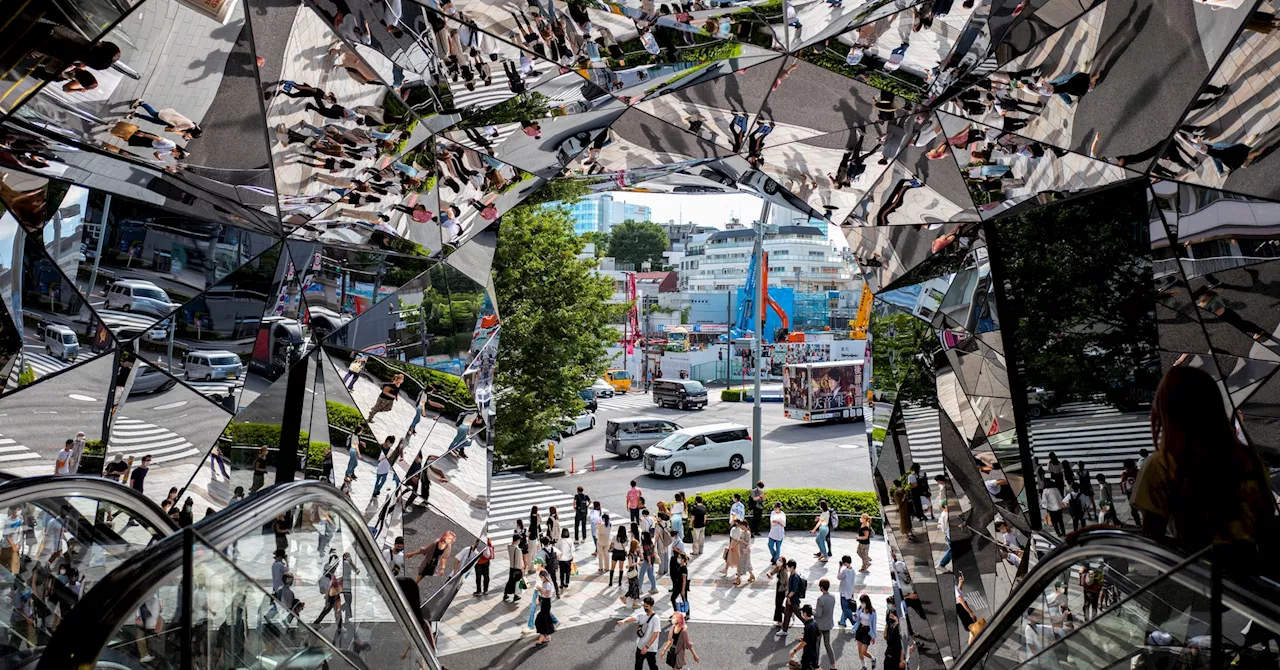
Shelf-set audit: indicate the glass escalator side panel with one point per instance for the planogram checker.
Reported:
(237, 622)
(1075, 596)
(51, 551)
(317, 548)
(1166, 623)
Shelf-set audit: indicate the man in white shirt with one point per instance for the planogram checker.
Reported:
(62, 461)
(394, 556)
(777, 531)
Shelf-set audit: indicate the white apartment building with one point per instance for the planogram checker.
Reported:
(800, 257)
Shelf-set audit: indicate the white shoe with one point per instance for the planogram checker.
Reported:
(147, 659)
(781, 633)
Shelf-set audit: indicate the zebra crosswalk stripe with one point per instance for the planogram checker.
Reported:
(113, 318)
(11, 451)
(1100, 436)
(629, 401)
(133, 437)
(511, 496)
(42, 365)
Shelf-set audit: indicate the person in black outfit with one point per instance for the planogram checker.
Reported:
(892, 636)
(581, 502)
(679, 574)
(808, 647)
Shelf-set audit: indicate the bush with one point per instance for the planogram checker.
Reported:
(27, 376)
(731, 395)
(95, 447)
(448, 389)
(259, 434)
(849, 505)
(315, 456)
(343, 420)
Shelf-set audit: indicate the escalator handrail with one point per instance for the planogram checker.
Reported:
(89, 627)
(1257, 599)
(47, 487)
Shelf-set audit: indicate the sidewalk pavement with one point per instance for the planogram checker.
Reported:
(463, 498)
(477, 622)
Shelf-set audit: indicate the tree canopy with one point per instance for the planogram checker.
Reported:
(556, 328)
(901, 357)
(1080, 281)
(601, 240)
(634, 242)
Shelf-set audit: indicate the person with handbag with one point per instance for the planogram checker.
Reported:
(757, 507)
(544, 623)
(744, 554)
(678, 644)
(648, 630)
(633, 576)
(864, 629)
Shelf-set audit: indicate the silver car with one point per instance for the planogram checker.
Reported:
(631, 435)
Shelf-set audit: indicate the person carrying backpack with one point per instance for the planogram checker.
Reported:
(1075, 505)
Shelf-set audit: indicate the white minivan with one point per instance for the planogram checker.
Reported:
(61, 341)
(719, 445)
(208, 365)
(135, 295)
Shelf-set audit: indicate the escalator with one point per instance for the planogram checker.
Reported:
(289, 578)
(86, 526)
(1115, 599)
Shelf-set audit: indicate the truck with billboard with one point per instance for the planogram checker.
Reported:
(823, 391)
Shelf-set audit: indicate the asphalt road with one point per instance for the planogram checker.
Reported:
(606, 645)
(794, 454)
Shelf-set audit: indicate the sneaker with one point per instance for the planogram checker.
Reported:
(515, 599)
(147, 659)
(873, 664)
(781, 633)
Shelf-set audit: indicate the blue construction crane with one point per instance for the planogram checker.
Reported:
(744, 325)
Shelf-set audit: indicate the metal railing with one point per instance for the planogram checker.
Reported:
(1254, 598)
(87, 630)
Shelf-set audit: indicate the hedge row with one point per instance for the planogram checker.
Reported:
(447, 388)
(731, 395)
(797, 503)
(343, 420)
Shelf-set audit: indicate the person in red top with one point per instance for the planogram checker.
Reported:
(633, 505)
(482, 568)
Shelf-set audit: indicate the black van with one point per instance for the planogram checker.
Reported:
(682, 393)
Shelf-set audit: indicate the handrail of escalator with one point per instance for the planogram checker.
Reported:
(45, 487)
(89, 627)
(1256, 598)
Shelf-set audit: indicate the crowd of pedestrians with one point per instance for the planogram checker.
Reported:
(646, 552)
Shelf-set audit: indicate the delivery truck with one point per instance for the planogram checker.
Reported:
(823, 391)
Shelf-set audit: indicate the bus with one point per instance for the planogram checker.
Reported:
(822, 391)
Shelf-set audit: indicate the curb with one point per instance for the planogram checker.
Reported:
(547, 474)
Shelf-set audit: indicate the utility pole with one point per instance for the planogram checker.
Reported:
(758, 307)
(728, 337)
(97, 256)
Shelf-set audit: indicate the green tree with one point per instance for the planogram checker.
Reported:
(901, 359)
(566, 191)
(1080, 281)
(601, 240)
(524, 107)
(556, 328)
(634, 242)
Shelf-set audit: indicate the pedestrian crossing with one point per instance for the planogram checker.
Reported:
(512, 495)
(133, 437)
(504, 131)
(42, 364)
(1100, 436)
(11, 451)
(122, 319)
(633, 401)
(485, 96)
(218, 388)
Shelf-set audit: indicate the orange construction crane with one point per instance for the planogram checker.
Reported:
(863, 319)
